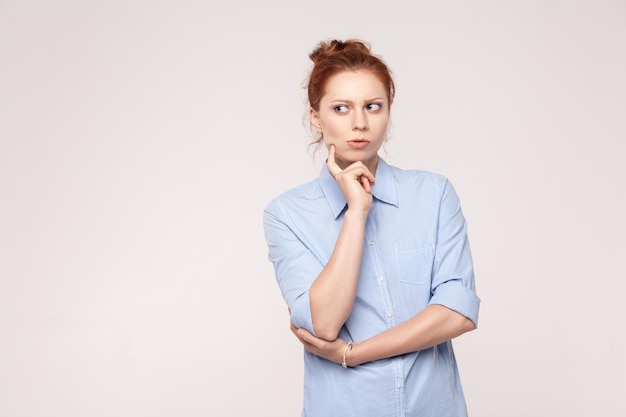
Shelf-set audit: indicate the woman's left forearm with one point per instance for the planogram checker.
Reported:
(430, 327)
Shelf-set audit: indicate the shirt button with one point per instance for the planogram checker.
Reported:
(381, 279)
(389, 315)
(371, 242)
(398, 384)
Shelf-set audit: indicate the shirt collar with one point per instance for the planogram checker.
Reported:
(384, 189)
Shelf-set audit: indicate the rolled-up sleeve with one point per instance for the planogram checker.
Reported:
(295, 266)
(452, 282)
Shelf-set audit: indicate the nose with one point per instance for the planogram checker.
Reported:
(359, 121)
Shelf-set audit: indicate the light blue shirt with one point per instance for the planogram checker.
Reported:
(416, 253)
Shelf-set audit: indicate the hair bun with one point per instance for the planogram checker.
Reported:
(334, 47)
(337, 45)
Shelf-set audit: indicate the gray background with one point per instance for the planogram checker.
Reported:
(140, 141)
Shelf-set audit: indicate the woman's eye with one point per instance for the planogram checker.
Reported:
(341, 109)
(374, 106)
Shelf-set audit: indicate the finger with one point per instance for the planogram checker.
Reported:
(299, 332)
(357, 170)
(294, 330)
(307, 337)
(366, 173)
(366, 184)
(333, 168)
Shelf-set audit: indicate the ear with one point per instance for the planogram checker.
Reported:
(315, 120)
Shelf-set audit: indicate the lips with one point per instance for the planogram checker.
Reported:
(358, 143)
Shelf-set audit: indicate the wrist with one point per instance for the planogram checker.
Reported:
(354, 357)
(349, 356)
(347, 349)
(356, 215)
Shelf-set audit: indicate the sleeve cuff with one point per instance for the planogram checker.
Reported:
(455, 296)
(301, 313)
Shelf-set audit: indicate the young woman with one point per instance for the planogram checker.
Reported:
(373, 261)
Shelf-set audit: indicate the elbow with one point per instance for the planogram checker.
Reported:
(326, 326)
(328, 333)
(469, 325)
(465, 325)
(459, 323)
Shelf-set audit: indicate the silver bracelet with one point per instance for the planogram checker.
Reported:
(349, 345)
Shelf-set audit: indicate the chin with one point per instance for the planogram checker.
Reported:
(348, 160)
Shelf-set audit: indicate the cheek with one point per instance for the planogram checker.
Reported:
(332, 130)
(381, 127)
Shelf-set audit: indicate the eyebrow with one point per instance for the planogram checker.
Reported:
(351, 102)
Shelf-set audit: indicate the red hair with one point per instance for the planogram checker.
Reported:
(330, 58)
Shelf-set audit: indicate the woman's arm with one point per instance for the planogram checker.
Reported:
(453, 308)
(430, 327)
(333, 291)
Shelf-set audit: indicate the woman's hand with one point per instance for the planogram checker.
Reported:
(332, 351)
(355, 182)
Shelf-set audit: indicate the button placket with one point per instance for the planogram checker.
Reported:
(370, 239)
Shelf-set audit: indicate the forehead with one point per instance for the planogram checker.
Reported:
(354, 84)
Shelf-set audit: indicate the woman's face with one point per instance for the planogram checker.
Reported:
(353, 115)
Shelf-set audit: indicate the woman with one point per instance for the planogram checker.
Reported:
(373, 261)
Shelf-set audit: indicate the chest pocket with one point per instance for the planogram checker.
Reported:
(414, 259)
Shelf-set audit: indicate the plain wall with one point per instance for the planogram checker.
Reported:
(141, 140)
